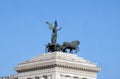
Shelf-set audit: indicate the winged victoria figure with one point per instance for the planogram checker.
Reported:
(54, 31)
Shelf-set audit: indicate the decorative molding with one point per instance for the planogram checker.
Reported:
(57, 60)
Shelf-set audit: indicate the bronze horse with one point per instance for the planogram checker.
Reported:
(71, 46)
(50, 47)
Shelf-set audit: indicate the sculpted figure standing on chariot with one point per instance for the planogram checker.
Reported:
(54, 32)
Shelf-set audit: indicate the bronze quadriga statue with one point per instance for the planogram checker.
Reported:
(65, 47)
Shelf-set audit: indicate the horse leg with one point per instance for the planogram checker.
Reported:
(64, 50)
(77, 49)
(70, 50)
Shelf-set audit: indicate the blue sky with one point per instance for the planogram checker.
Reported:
(96, 23)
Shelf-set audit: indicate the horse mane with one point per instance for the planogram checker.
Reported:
(75, 42)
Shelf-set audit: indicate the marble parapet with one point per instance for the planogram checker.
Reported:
(57, 59)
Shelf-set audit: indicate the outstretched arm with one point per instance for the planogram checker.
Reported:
(50, 25)
(59, 29)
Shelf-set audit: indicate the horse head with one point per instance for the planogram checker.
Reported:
(75, 43)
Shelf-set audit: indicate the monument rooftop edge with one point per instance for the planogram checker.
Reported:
(57, 59)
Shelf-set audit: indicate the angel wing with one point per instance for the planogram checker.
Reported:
(50, 25)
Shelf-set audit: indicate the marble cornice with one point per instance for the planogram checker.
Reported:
(23, 69)
(38, 67)
(57, 59)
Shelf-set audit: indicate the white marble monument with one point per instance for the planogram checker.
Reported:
(57, 65)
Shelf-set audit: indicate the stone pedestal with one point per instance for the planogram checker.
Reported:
(57, 65)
